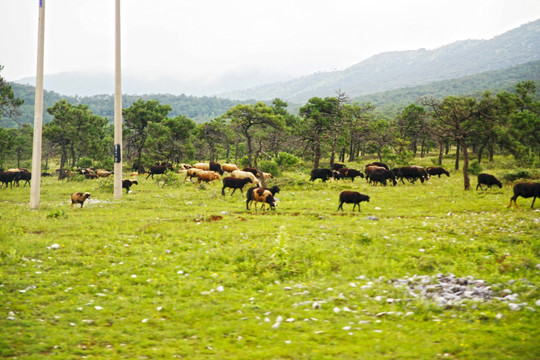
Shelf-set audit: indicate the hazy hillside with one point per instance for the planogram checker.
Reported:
(394, 70)
(495, 81)
(200, 109)
(206, 108)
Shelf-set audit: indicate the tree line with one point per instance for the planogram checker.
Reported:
(264, 135)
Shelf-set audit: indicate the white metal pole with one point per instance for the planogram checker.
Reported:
(38, 113)
(118, 109)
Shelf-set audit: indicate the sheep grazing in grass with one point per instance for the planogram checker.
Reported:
(191, 173)
(127, 183)
(377, 177)
(350, 173)
(79, 198)
(234, 183)
(8, 178)
(337, 166)
(487, 179)
(323, 174)
(437, 170)
(244, 174)
(207, 176)
(525, 190)
(229, 167)
(351, 197)
(103, 173)
(260, 195)
(158, 170)
(202, 166)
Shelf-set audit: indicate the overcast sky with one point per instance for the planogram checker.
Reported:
(207, 38)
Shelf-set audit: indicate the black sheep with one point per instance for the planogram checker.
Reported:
(235, 183)
(388, 175)
(214, 166)
(351, 197)
(525, 190)
(337, 166)
(377, 177)
(8, 178)
(251, 170)
(487, 179)
(436, 170)
(412, 173)
(323, 174)
(157, 170)
(350, 173)
(127, 183)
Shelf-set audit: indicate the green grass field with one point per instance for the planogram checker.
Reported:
(184, 272)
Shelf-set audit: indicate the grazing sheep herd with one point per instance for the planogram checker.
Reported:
(374, 173)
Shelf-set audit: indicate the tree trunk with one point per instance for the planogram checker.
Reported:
(466, 179)
(333, 154)
(481, 151)
(441, 149)
(317, 153)
(457, 157)
(249, 148)
(491, 149)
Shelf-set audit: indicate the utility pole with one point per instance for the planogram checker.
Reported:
(38, 113)
(118, 109)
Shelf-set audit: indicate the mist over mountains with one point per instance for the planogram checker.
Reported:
(400, 69)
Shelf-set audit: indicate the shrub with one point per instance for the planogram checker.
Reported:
(85, 163)
(286, 161)
(269, 166)
(512, 176)
(475, 168)
(107, 163)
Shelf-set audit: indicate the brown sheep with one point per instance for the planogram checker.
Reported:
(79, 198)
(191, 173)
(103, 173)
(261, 195)
(202, 166)
(229, 167)
(207, 176)
(244, 174)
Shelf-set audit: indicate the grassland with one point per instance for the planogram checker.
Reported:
(176, 271)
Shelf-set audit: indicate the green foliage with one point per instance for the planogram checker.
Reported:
(85, 162)
(106, 163)
(168, 272)
(475, 168)
(57, 214)
(287, 161)
(9, 102)
(519, 174)
(269, 166)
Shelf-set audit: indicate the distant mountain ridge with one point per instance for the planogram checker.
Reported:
(399, 69)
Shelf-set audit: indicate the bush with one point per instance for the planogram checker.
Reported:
(269, 166)
(107, 163)
(475, 168)
(85, 163)
(286, 161)
(512, 176)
